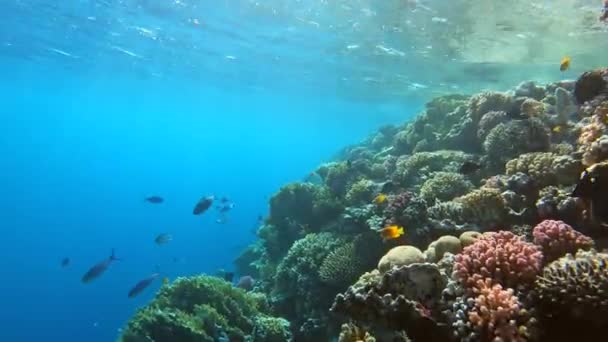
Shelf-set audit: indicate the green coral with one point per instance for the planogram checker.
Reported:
(360, 192)
(346, 263)
(444, 186)
(297, 291)
(271, 329)
(484, 206)
(509, 139)
(305, 203)
(200, 308)
(338, 177)
(411, 169)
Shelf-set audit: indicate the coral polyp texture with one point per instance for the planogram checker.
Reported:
(557, 238)
(503, 257)
(495, 247)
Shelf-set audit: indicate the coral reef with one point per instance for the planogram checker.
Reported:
(444, 186)
(557, 238)
(204, 308)
(401, 299)
(572, 297)
(483, 184)
(400, 256)
(501, 256)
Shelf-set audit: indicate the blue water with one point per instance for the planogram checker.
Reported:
(81, 151)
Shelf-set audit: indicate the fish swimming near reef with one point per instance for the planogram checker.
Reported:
(154, 199)
(142, 285)
(381, 198)
(592, 187)
(65, 262)
(226, 208)
(246, 283)
(468, 167)
(564, 64)
(203, 205)
(99, 268)
(391, 232)
(163, 238)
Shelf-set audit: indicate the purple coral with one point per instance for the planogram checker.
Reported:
(501, 256)
(557, 238)
(396, 205)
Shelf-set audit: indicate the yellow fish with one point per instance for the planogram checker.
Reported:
(565, 63)
(165, 280)
(391, 232)
(557, 129)
(381, 198)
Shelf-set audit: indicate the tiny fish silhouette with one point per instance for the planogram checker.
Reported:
(97, 270)
(142, 285)
(162, 239)
(154, 199)
(65, 262)
(202, 205)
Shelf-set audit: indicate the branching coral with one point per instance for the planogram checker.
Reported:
(497, 314)
(557, 238)
(501, 256)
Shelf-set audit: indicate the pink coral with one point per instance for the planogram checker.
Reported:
(556, 238)
(495, 313)
(501, 256)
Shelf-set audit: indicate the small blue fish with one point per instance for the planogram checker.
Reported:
(155, 199)
(98, 269)
(203, 204)
(142, 285)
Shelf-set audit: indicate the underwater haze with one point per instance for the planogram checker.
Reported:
(108, 102)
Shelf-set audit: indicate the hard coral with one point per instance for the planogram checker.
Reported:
(403, 298)
(501, 256)
(507, 140)
(201, 308)
(497, 314)
(573, 290)
(444, 186)
(546, 168)
(557, 238)
(484, 206)
(360, 192)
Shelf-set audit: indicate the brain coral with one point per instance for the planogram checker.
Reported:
(501, 256)
(557, 238)
(444, 186)
(508, 140)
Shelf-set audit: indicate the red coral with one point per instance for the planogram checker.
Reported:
(557, 238)
(495, 311)
(501, 256)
